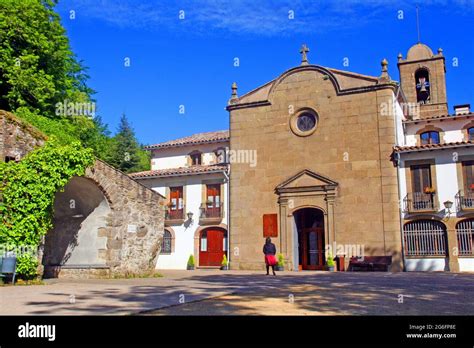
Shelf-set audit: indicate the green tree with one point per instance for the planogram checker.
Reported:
(37, 67)
(127, 154)
(40, 78)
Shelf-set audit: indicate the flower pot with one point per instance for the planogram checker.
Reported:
(279, 268)
(331, 268)
(190, 268)
(224, 268)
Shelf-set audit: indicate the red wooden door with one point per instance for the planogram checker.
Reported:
(213, 204)
(211, 248)
(313, 248)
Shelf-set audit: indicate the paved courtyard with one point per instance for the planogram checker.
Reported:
(204, 292)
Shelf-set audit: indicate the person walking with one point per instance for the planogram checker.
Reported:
(269, 250)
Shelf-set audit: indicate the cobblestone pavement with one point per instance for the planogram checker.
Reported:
(204, 292)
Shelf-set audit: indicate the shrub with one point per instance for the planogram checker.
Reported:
(281, 260)
(27, 266)
(224, 261)
(191, 261)
(329, 260)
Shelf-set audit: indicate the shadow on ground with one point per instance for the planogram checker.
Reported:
(311, 293)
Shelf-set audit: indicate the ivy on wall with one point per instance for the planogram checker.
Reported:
(28, 189)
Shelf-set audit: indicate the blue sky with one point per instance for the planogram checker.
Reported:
(190, 61)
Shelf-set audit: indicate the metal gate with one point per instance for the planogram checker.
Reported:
(425, 238)
(465, 236)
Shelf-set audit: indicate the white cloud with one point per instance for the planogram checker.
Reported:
(259, 17)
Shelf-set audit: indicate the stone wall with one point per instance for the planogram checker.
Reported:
(133, 228)
(17, 137)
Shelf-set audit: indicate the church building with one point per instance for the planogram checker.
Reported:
(324, 179)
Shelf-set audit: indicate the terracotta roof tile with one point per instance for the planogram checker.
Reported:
(181, 171)
(440, 117)
(195, 139)
(432, 146)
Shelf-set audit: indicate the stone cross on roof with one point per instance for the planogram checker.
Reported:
(304, 59)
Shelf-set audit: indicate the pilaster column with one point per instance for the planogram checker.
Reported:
(329, 218)
(452, 246)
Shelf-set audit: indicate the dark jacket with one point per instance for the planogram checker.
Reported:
(269, 249)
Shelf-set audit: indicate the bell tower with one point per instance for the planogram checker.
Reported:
(423, 80)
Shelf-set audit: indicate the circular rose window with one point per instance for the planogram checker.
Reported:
(304, 122)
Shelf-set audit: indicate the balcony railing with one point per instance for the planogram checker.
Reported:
(174, 214)
(206, 213)
(465, 200)
(417, 202)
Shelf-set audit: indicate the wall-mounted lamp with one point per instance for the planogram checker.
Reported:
(190, 216)
(448, 205)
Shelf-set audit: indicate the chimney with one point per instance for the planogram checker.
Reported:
(462, 109)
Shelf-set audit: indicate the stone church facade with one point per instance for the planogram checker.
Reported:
(324, 138)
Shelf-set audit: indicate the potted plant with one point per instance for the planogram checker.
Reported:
(281, 263)
(224, 263)
(471, 187)
(190, 265)
(330, 262)
(429, 190)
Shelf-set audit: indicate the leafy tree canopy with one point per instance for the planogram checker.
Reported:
(43, 83)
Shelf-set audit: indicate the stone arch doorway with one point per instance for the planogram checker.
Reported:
(310, 239)
(212, 246)
(77, 240)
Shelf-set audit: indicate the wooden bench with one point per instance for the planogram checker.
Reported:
(8, 266)
(370, 264)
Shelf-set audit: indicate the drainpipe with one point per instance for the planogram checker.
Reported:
(227, 180)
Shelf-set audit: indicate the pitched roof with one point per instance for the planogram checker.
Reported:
(440, 117)
(433, 146)
(181, 171)
(195, 139)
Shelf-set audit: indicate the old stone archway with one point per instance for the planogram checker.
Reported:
(104, 223)
(117, 225)
(76, 240)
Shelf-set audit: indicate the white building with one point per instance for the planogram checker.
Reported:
(192, 174)
(435, 159)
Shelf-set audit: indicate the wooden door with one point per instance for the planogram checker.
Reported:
(421, 177)
(313, 248)
(213, 202)
(211, 248)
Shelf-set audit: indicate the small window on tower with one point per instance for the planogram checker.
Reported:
(422, 81)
